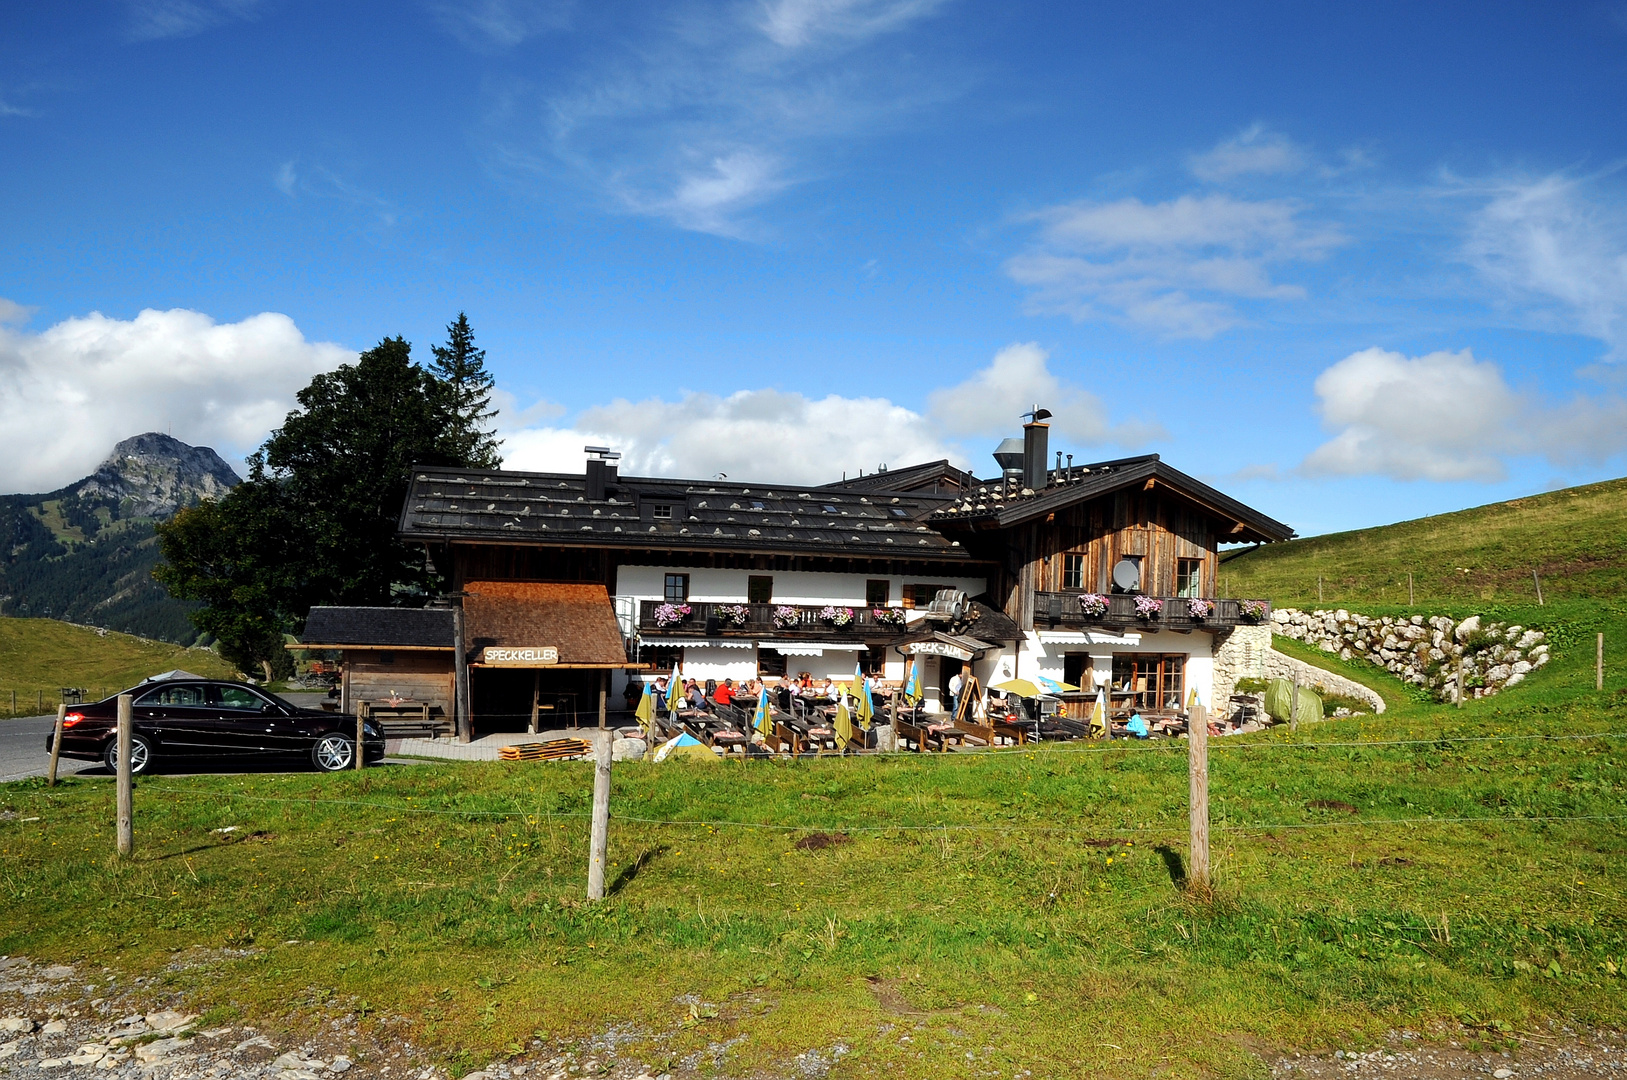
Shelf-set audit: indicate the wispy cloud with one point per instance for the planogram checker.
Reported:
(151, 20)
(1172, 267)
(708, 112)
(1557, 245)
(321, 183)
(485, 24)
(1254, 150)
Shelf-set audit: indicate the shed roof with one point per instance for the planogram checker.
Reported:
(378, 627)
(578, 620)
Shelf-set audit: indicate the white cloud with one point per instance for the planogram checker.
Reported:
(1254, 150)
(1448, 416)
(1561, 242)
(774, 435)
(1171, 267)
(993, 400)
(501, 23)
(704, 114)
(68, 393)
(151, 20)
(795, 23)
(287, 180)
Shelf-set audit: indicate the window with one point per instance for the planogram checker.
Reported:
(174, 695)
(1188, 577)
(829, 509)
(1153, 682)
(877, 592)
(899, 512)
(661, 511)
(756, 504)
(677, 589)
(759, 590)
(1141, 578)
(920, 595)
(236, 697)
(770, 664)
(1073, 571)
(873, 660)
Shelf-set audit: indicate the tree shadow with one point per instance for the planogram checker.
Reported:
(631, 871)
(1174, 864)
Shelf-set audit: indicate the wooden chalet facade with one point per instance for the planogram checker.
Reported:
(738, 580)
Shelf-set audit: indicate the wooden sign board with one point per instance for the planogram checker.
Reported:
(938, 648)
(531, 656)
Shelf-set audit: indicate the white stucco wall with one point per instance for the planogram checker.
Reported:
(790, 587)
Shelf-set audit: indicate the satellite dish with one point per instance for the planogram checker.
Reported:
(1127, 575)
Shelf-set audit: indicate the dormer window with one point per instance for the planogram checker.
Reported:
(661, 512)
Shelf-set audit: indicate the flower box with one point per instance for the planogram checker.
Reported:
(1252, 610)
(836, 616)
(1200, 609)
(784, 617)
(734, 614)
(672, 614)
(1148, 607)
(887, 616)
(1092, 605)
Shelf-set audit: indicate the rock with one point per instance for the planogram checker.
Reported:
(10, 1049)
(54, 1027)
(290, 1060)
(169, 1020)
(1528, 639)
(1502, 1074)
(1467, 627)
(52, 1063)
(477, 1075)
(628, 750)
(57, 972)
(88, 1055)
(159, 1049)
(339, 1064)
(1516, 678)
(1521, 667)
(16, 1023)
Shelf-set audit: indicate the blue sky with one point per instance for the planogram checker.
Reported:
(1350, 265)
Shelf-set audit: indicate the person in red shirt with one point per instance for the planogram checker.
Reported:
(725, 692)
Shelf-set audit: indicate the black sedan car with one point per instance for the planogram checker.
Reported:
(208, 719)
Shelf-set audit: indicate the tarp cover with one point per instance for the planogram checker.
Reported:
(1279, 693)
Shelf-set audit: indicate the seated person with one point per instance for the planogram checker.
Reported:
(1137, 726)
(697, 700)
(725, 693)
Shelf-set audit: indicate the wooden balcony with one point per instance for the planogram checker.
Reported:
(803, 624)
(1054, 610)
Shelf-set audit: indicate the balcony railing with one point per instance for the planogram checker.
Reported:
(1058, 609)
(803, 621)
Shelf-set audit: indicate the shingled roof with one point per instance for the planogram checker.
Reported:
(378, 627)
(995, 504)
(517, 507)
(576, 619)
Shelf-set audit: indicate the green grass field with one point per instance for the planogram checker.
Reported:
(1459, 872)
(1576, 540)
(40, 656)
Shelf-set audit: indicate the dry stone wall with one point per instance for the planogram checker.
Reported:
(1423, 649)
(1246, 653)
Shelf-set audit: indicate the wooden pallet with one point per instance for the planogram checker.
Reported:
(553, 750)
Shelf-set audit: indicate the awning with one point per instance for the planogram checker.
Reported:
(805, 648)
(1086, 637)
(531, 624)
(700, 643)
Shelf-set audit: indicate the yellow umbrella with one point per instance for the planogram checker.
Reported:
(1032, 687)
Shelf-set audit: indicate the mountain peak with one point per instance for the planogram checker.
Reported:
(154, 475)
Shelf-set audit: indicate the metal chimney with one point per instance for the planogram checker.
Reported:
(601, 471)
(1036, 448)
(1010, 456)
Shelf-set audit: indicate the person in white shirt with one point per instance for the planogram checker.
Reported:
(957, 683)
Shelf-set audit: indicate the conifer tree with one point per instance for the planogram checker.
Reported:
(461, 368)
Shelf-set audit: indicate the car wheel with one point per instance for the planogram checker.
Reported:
(141, 755)
(333, 753)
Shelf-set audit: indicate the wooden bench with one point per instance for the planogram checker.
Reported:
(405, 719)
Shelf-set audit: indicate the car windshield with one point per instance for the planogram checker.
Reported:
(240, 697)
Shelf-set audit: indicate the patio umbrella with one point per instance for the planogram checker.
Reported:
(913, 690)
(646, 711)
(861, 690)
(844, 722)
(1032, 687)
(675, 692)
(1098, 714)
(765, 721)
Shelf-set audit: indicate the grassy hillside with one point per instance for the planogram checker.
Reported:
(1575, 539)
(40, 656)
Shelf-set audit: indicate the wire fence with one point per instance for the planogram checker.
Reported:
(40, 701)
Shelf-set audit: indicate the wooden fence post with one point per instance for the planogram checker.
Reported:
(1460, 682)
(126, 827)
(360, 731)
(1538, 583)
(1410, 600)
(1197, 755)
(56, 746)
(1598, 666)
(1319, 588)
(604, 696)
(599, 837)
(1293, 706)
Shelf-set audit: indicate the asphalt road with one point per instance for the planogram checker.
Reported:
(22, 750)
